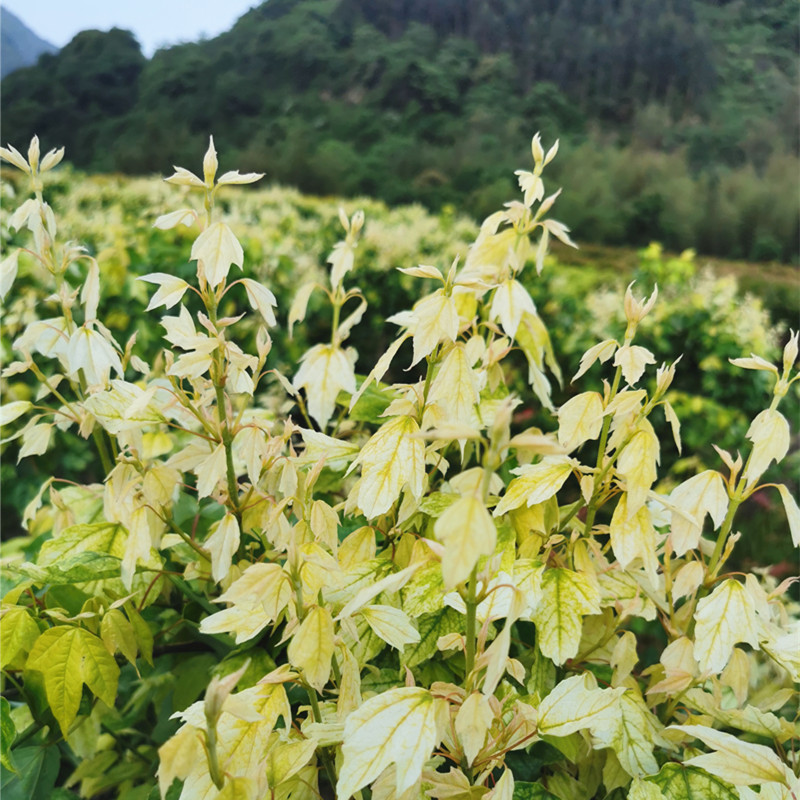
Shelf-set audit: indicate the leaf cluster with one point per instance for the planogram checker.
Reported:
(393, 588)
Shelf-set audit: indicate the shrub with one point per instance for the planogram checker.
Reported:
(377, 588)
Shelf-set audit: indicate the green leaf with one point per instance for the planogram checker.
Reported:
(370, 405)
(141, 630)
(18, 634)
(436, 503)
(117, 634)
(691, 783)
(531, 791)
(102, 540)
(424, 593)
(81, 568)
(106, 538)
(8, 733)
(431, 627)
(68, 657)
(37, 771)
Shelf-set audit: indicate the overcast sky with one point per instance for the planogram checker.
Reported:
(155, 23)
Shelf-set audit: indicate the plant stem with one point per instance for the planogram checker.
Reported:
(599, 475)
(471, 633)
(324, 755)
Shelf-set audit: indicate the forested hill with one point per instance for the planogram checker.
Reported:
(679, 118)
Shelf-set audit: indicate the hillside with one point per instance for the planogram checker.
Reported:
(679, 118)
(19, 46)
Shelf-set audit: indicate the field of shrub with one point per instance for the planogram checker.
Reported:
(404, 507)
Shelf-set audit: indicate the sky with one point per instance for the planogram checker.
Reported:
(155, 23)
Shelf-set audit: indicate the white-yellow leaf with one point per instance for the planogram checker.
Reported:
(391, 624)
(738, 762)
(576, 704)
(467, 531)
(8, 273)
(88, 350)
(633, 359)
(602, 352)
(311, 647)
(473, 721)
(769, 433)
(580, 419)
(633, 733)
(392, 460)
(395, 727)
(724, 618)
(210, 471)
(536, 483)
(700, 495)
(11, 411)
(435, 320)
(215, 250)
(183, 216)
(511, 301)
(222, 544)
(261, 299)
(35, 441)
(633, 536)
(324, 372)
(792, 513)
(257, 598)
(455, 388)
(638, 465)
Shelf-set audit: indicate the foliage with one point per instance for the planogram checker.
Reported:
(682, 115)
(377, 586)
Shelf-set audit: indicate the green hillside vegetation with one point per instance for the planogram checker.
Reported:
(678, 118)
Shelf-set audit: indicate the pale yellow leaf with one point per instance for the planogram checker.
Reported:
(473, 721)
(700, 495)
(580, 419)
(11, 411)
(210, 471)
(536, 483)
(633, 359)
(261, 299)
(222, 545)
(633, 733)
(638, 465)
(391, 624)
(435, 320)
(634, 537)
(455, 388)
(792, 513)
(602, 351)
(311, 647)
(467, 531)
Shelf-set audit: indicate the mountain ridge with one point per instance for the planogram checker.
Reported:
(19, 45)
